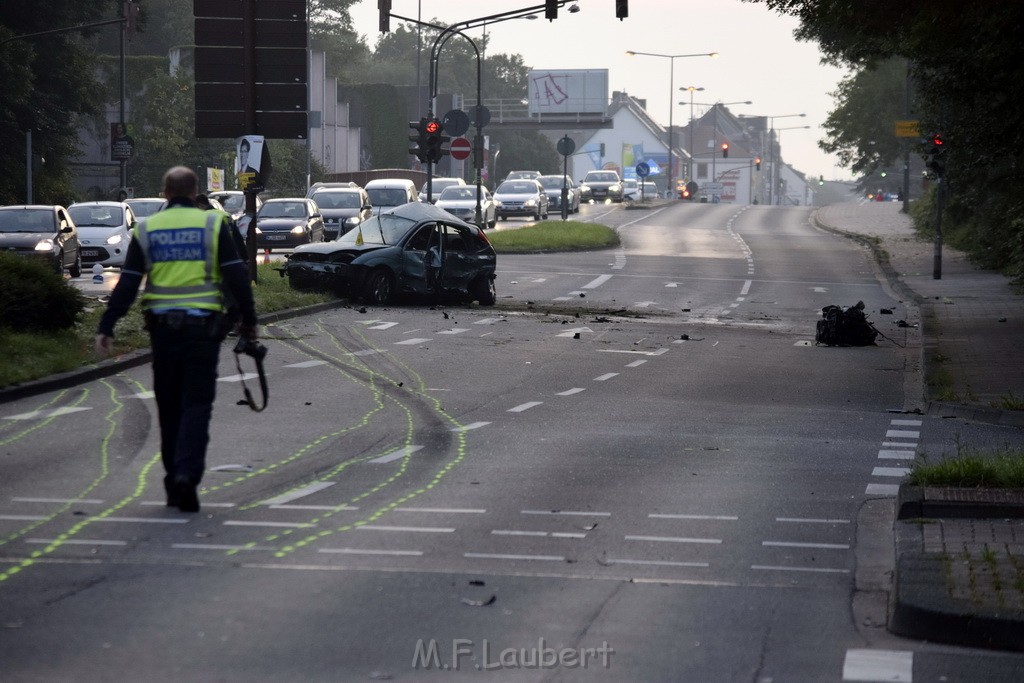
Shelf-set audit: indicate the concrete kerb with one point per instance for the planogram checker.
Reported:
(112, 366)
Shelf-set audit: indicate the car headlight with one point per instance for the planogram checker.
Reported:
(584, 188)
(258, 231)
(353, 221)
(114, 239)
(530, 202)
(298, 229)
(615, 188)
(44, 245)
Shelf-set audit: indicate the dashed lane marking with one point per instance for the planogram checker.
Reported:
(282, 525)
(890, 471)
(307, 364)
(570, 392)
(298, 493)
(73, 541)
(892, 454)
(605, 377)
(525, 406)
(659, 563)
(576, 513)
(365, 551)
(412, 342)
(496, 556)
(882, 489)
(472, 425)
(820, 546)
(819, 570)
(718, 518)
(60, 501)
(445, 511)
(396, 455)
(49, 412)
(674, 539)
(802, 520)
(896, 666)
(410, 529)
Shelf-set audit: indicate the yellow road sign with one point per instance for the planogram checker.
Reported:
(907, 129)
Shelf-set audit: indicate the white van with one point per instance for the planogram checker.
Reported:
(387, 193)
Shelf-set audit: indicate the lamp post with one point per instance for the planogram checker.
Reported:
(777, 131)
(771, 149)
(689, 171)
(671, 92)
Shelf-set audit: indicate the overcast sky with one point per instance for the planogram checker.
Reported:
(760, 60)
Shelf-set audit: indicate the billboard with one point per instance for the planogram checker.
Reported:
(568, 91)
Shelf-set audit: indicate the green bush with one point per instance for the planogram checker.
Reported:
(33, 298)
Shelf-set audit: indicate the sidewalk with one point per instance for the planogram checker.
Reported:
(959, 565)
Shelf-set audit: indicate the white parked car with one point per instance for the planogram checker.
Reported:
(460, 201)
(104, 230)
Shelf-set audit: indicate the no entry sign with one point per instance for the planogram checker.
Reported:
(460, 148)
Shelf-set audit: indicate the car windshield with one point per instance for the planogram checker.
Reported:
(553, 182)
(86, 216)
(337, 200)
(26, 220)
(283, 210)
(602, 178)
(517, 188)
(452, 194)
(387, 196)
(521, 175)
(232, 202)
(145, 207)
(439, 184)
(383, 229)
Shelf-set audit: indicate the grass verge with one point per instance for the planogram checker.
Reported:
(554, 236)
(1000, 469)
(30, 356)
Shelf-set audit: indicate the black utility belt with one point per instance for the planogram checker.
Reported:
(178, 319)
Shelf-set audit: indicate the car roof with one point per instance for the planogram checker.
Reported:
(423, 211)
(389, 182)
(98, 203)
(51, 207)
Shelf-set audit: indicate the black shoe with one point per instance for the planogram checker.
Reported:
(185, 495)
(172, 495)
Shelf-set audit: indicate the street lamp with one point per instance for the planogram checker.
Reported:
(689, 171)
(771, 149)
(671, 92)
(779, 138)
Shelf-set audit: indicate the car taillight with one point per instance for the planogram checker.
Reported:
(483, 237)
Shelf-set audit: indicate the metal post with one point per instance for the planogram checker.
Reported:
(28, 166)
(906, 152)
(248, 69)
(940, 191)
(671, 102)
(124, 162)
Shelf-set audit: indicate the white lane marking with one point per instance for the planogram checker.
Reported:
(890, 472)
(659, 563)
(160, 503)
(577, 513)
(298, 493)
(307, 364)
(141, 520)
(821, 570)
(791, 544)
(336, 508)
(820, 290)
(896, 666)
(635, 364)
(414, 529)
(902, 434)
(639, 353)
(802, 520)
(367, 322)
(899, 444)
(367, 352)
(605, 377)
(455, 330)
(73, 541)
(397, 455)
(674, 539)
(562, 298)
(906, 423)
(882, 489)
(488, 321)
(525, 406)
(362, 551)
(643, 304)
(283, 525)
(598, 281)
(383, 326)
(50, 412)
(570, 392)
(542, 534)
(456, 511)
(22, 518)
(746, 287)
(238, 378)
(671, 284)
(471, 425)
(495, 556)
(888, 454)
(719, 518)
(143, 395)
(218, 546)
(77, 501)
(412, 342)
(573, 332)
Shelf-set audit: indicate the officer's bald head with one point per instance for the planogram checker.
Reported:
(180, 181)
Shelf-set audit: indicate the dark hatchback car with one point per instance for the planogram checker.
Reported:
(343, 208)
(43, 232)
(285, 223)
(406, 250)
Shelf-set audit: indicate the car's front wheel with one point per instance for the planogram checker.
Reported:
(76, 267)
(380, 287)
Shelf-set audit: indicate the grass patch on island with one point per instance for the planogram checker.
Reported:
(554, 236)
(1002, 468)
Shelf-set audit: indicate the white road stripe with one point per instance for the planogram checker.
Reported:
(674, 539)
(366, 352)
(218, 546)
(659, 563)
(361, 551)
(635, 364)
(494, 556)
(896, 666)
(299, 493)
(540, 534)
(801, 520)
(73, 541)
(160, 503)
(746, 287)
(791, 544)
(721, 518)
(899, 444)
(143, 395)
(906, 423)
(456, 511)
(455, 330)
(636, 353)
(891, 454)
(77, 501)
(902, 434)
(598, 281)
(570, 392)
(525, 406)
(882, 489)
(412, 342)
(820, 570)
(576, 513)
(313, 507)
(383, 326)
(413, 529)
(283, 525)
(141, 520)
(605, 377)
(307, 364)
(890, 471)
(397, 455)
(471, 425)
(488, 321)
(238, 378)
(50, 412)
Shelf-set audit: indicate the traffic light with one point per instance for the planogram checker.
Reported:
(384, 6)
(419, 139)
(551, 9)
(757, 163)
(936, 149)
(821, 180)
(621, 9)
(131, 13)
(435, 140)
(602, 149)
(725, 150)
(690, 191)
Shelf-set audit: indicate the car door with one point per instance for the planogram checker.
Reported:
(316, 219)
(460, 262)
(67, 237)
(413, 275)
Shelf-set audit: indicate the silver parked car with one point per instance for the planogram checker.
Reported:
(104, 231)
(553, 184)
(460, 201)
(521, 198)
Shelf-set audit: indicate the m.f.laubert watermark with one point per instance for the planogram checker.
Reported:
(484, 656)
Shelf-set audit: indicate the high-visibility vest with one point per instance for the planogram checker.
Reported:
(180, 247)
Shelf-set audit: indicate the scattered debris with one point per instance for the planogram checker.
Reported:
(480, 603)
(232, 468)
(601, 319)
(380, 676)
(476, 582)
(1002, 320)
(686, 310)
(576, 336)
(362, 309)
(684, 337)
(583, 295)
(885, 311)
(845, 327)
(904, 323)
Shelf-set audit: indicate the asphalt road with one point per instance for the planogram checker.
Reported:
(636, 467)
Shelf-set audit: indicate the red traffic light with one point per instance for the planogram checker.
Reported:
(757, 163)
(937, 140)
(433, 126)
(725, 150)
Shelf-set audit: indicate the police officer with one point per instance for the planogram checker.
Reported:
(187, 255)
